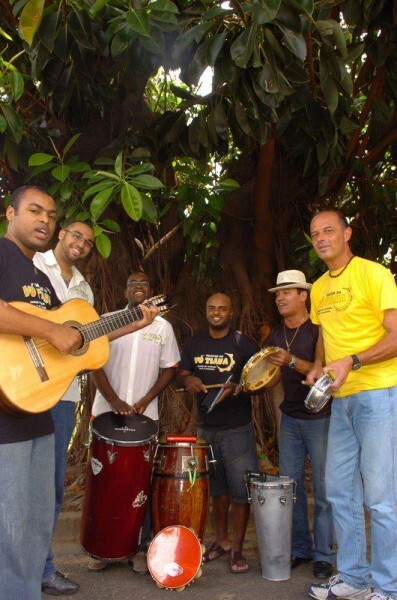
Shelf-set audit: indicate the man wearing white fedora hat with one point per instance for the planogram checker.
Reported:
(302, 433)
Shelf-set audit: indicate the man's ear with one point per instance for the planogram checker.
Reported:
(348, 233)
(10, 212)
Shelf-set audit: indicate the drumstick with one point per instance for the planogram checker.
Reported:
(209, 387)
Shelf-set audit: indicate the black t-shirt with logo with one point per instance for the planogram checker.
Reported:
(212, 360)
(21, 281)
(303, 346)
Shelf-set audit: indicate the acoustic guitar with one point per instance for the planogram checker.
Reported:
(34, 375)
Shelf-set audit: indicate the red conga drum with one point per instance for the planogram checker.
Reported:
(117, 484)
(180, 486)
(174, 557)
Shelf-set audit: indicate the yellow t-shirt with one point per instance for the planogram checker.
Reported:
(350, 310)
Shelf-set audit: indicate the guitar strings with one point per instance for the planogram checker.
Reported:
(98, 326)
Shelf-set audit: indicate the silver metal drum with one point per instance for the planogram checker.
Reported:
(319, 395)
(272, 498)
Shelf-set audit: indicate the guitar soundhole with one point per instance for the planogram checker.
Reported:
(84, 345)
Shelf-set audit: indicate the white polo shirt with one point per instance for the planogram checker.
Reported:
(77, 288)
(134, 364)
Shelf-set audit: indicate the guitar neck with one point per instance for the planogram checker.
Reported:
(110, 323)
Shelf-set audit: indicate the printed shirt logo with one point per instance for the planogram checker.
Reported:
(339, 301)
(153, 337)
(219, 362)
(41, 295)
(139, 500)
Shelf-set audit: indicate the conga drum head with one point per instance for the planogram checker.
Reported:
(174, 557)
(122, 430)
(258, 372)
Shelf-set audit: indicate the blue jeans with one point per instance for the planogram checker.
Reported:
(362, 468)
(235, 452)
(298, 439)
(64, 421)
(27, 500)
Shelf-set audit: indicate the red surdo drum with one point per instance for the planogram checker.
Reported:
(180, 487)
(174, 557)
(117, 484)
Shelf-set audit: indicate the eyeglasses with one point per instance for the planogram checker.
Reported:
(76, 235)
(134, 283)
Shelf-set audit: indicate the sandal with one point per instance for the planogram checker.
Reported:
(216, 550)
(238, 563)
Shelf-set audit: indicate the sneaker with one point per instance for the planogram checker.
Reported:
(378, 596)
(337, 588)
(95, 564)
(57, 584)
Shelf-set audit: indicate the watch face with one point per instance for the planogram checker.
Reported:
(356, 363)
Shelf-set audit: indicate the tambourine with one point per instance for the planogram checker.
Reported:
(174, 557)
(318, 396)
(258, 372)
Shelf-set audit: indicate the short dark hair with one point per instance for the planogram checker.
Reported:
(139, 272)
(20, 192)
(70, 222)
(341, 216)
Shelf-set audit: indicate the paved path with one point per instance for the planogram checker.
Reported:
(118, 582)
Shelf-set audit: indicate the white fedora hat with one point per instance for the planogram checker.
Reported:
(291, 279)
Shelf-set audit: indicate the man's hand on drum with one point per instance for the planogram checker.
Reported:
(281, 358)
(142, 404)
(119, 407)
(229, 388)
(315, 373)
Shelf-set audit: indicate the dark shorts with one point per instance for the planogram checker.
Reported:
(235, 452)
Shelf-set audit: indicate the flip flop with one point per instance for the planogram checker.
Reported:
(238, 563)
(216, 549)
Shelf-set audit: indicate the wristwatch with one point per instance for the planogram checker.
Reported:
(292, 362)
(356, 362)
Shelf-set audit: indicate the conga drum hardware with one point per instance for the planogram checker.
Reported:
(174, 558)
(258, 372)
(117, 484)
(180, 484)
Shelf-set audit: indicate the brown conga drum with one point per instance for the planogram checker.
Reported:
(180, 485)
(117, 484)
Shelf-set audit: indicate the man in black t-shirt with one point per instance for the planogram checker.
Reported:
(209, 358)
(27, 487)
(302, 433)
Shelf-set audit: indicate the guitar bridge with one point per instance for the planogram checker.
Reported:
(36, 358)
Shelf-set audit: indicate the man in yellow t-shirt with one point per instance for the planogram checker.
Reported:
(355, 305)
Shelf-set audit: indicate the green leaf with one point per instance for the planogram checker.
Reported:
(5, 35)
(61, 172)
(164, 5)
(97, 6)
(306, 6)
(214, 12)
(111, 225)
(147, 182)
(295, 42)
(66, 190)
(138, 20)
(100, 202)
(215, 46)
(149, 212)
(102, 185)
(79, 24)
(48, 30)
(13, 121)
(228, 185)
(17, 83)
(132, 201)
(242, 47)
(40, 158)
(104, 245)
(3, 124)
(71, 143)
(265, 11)
(138, 169)
(155, 43)
(118, 163)
(30, 20)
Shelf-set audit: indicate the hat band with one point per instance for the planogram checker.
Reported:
(291, 283)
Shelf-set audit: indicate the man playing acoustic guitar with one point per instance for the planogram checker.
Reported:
(27, 491)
